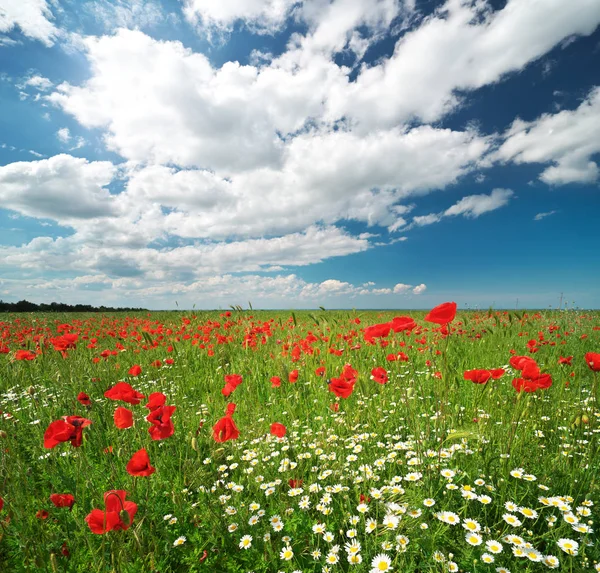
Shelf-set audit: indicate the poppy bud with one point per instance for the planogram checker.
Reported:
(194, 444)
(585, 419)
(124, 517)
(53, 563)
(3, 434)
(577, 422)
(409, 392)
(31, 390)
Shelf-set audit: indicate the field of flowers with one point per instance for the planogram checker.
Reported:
(254, 441)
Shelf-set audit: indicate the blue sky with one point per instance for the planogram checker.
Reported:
(298, 153)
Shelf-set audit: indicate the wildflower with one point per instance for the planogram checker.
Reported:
(429, 502)
(473, 539)
(118, 515)
(139, 464)
(448, 517)
(471, 525)
(487, 558)
(246, 542)
(493, 546)
(179, 541)
(527, 512)
(511, 519)
(286, 553)
(569, 546)
(551, 561)
(380, 563)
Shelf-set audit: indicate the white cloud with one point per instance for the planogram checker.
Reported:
(401, 288)
(40, 83)
(541, 216)
(62, 188)
(423, 220)
(419, 289)
(475, 205)
(31, 16)
(126, 13)
(471, 207)
(463, 46)
(64, 135)
(568, 139)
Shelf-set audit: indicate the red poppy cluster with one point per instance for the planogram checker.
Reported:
(531, 378)
(118, 514)
(482, 376)
(343, 386)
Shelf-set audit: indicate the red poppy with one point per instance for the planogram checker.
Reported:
(139, 464)
(156, 400)
(1, 503)
(123, 418)
(293, 376)
(334, 407)
(232, 381)
(225, 429)
(442, 314)
(42, 514)
(24, 355)
(69, 429)
(401, 323)
(162, 425)
(64, 342)
(340, 387)
(377, 331)
(62, 500)
(124, 392)
(275, 381)
(593, 361)
(320, 371)
(65, 550)
(135, 370)
(118, 516)
(84, 399)
(379, 375)
(157, 364)
(278, 430)
(482, 376)
(519, 362)
(565, 360)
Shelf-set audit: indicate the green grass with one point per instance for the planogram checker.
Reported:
(381, 438)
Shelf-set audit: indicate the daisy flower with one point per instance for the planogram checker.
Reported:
(380, 563)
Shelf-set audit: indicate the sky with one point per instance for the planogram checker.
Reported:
(300, 153)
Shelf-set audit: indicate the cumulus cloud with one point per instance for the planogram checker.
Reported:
(62, 188)
(461, 47)
(32, 17)
(419, 289)
(567, 139)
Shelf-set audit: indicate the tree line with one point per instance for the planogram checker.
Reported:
(26, 306)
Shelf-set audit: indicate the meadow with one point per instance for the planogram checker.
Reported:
(326, 441)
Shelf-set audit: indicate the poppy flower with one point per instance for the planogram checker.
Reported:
(402, 323)
(232, 381)
(519, 362)
(320, 371)
(69, 429)
(42, 514)
(278, 430)
(124, 392)
(135, 370)
(123, 418)
(377, 331)
(341, 387)
(225, 429)
(565, 360)
(482, 376)
(162, 425)
(379, 375)
(24, 355)
(593, 361)
(84, 399)
(139, 464)
(275, 382)
(118, 516)
(442, 314)
(156, 400)
(293, 376)
(62, 500)
(1, 503)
